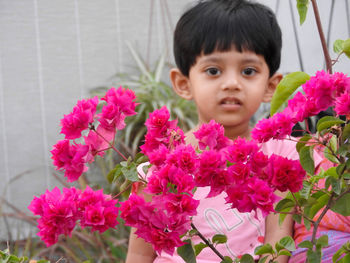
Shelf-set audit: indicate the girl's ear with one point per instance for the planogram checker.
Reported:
(180, 83)
(271, 86)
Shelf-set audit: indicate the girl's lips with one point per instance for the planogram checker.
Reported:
(230, 103)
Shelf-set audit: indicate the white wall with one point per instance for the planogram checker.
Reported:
(52, 52)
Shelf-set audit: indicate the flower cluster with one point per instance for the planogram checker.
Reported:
(319, 93)
(237, 168)
(59, 212)
(72, 157)
(166, 218)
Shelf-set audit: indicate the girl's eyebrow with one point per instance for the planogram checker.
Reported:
(244, 60)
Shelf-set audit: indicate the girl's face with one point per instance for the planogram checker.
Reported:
(229, 87)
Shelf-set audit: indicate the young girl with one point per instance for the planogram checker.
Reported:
(227, 53)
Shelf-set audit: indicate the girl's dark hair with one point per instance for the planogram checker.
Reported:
(220, 24)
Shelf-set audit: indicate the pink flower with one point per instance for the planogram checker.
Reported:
(264, 130)
(123, 98)
(133, 209)
(159, 120)
(111, 117)
(176, 204)
(79, 119)
(120, 103)
(58, 213)
(286, 174)
(212, 135)
(342, 105)
(341, 83)
(283, 125)
(161, 240)
(238, 173)
(184, 157)
(71, 158)
(98, 210)
(241, 150)
(320, 89)
(263, 198)
(297, 108)
(210, 165)
(161, 131)
(238, 198)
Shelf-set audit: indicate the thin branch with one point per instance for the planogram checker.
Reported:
(207, 242)
(322, 37)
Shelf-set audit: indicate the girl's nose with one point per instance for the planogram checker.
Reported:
(231, 82)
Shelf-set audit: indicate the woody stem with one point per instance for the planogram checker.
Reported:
(322, 37)
(207, 242)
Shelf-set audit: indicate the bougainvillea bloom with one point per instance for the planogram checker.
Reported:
(79, 119)
(71, 158)
(60, 212)
(342, 105)
(286, 174)
(120, 103)
(211, 135)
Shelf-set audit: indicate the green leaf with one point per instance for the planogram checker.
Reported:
(306, 244)
(327, 122)
(321, 202)
(302, 6)
(287, 242)
(329, 155)
(338, 254)
(263, 259)
(307, 224)
(130, 172)
(346, 47)
(305, 191)
(187, 253)
(297, 218)
(342, 205)
(345, 259)
(199, 247)
(313, 256)
(246, 258)
(322, 241)
(302, 141)
(219, 239)
(284, 253)
(346, 132)
(338, 46)
(263, 249)
(286, 88)
(227, 259)
(283, 204)
(306, 159)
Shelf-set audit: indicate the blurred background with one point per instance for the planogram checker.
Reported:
(54, 52)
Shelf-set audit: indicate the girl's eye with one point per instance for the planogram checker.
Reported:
(249, 71)
(213, 71)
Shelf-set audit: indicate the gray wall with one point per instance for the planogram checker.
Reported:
(52, 52)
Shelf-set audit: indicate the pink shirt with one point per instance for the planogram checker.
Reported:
(244, 231)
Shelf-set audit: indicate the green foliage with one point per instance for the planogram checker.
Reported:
(219, 239)
(302, 6)
(286, 88)
(187, 252)
(342, 46)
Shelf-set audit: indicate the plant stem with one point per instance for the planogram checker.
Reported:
(207, 242)
(322, 37)
(319, 219)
